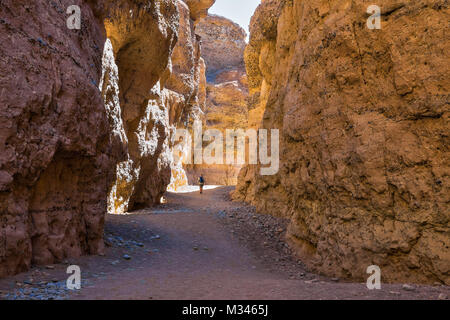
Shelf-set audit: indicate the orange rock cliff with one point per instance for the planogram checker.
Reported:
(364, 119)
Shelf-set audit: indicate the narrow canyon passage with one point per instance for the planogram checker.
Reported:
(197, 247)
(105, 105)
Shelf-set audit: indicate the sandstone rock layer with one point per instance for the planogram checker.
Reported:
(87, 118)
(55, 151)
(364, 122)
(226, 90)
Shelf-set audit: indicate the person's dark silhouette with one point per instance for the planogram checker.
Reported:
(201, 183)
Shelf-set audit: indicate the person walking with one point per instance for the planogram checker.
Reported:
(201, 183)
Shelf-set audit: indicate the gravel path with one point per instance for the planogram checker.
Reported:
(197, 247)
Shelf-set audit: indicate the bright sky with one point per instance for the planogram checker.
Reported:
(240, 11)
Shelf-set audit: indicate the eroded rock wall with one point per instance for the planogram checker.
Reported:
(161, 77)
(185, 89)
(86, 119)
(55, 151)
(364, 120)
(223, 45)
(141, 41)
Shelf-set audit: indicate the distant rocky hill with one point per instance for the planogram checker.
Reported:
(223, 45)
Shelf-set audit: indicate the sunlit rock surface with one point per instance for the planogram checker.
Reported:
(199, 8)
(223, 45)
(151, 114)
(86, 119)
(364, 121)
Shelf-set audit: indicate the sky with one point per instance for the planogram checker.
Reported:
(240, 11)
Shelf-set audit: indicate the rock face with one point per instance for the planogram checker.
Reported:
(86, 118)
(164, 81)
(186, 89)
(199, 8)
(364, 119)
(55, 152)
(223, 45)
(140, 43)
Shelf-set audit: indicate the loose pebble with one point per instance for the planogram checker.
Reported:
(408, 287)
(41, 291)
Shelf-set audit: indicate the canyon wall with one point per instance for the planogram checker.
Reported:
(223, 45)
(87, 117)
(164, 77)
(364, 119)
(55, 151)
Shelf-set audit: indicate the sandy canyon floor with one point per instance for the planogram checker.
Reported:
(197, 247)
